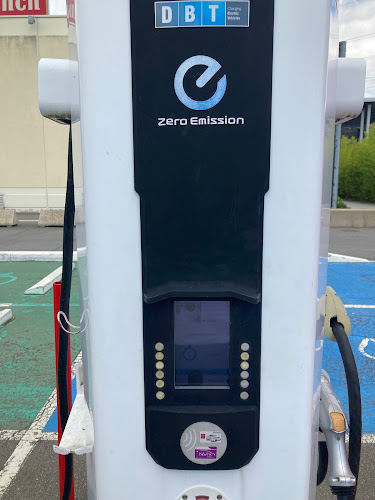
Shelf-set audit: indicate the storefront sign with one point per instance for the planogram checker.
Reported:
(23, 7)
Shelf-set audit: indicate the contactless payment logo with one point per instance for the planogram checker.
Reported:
(212, 68)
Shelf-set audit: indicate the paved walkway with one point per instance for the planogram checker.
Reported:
(359, 204)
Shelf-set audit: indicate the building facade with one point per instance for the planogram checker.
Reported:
(361, 125)
(33, 152)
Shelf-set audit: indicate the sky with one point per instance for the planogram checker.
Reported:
(57, 7)
(357, 26)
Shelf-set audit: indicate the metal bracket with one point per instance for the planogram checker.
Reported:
(334, 424)
(335, 309)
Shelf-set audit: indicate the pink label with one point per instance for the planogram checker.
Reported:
(206, 453)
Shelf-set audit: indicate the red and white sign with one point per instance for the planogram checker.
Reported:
(23, 7)
(71, 11)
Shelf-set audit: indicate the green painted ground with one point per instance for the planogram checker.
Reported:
(27, 346)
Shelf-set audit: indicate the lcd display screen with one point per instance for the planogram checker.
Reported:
(201, 336)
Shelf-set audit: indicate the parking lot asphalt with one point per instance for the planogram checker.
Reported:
(356, 242)
(27, 235)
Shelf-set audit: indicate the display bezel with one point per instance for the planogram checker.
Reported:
(183, 325)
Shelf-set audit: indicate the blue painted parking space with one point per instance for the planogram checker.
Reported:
(353, 282)
(355, 285)
(51, 425)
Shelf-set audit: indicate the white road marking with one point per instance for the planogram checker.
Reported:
(334, 257)
(368, 438)
(28, 436)
(5, 304)
(28, 220)
(362, 347)
(359, 306)
(29, 439)
(365, 342)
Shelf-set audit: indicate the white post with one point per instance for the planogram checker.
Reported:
(368, 118)
(362, 126)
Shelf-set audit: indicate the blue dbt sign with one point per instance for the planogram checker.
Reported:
(230, 13)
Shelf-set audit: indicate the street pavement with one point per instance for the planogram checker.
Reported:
(27, 355)
(27, 235)
(354, 242)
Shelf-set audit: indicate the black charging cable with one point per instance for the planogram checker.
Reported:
(355, 408)
(66, 283)
(323, 462)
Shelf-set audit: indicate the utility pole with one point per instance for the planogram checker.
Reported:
(336, 155)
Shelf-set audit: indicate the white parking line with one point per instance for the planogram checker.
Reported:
(28, 436)
(359, 306)
(29, 439)
(368, 438)
(335, 257)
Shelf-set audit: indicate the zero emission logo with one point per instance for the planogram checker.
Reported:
(212, 68)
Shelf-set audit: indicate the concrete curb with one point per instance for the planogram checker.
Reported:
(8, 217)
(51, 217)
(5, 316)
(19, 256)
(353, 218)
(44, 285)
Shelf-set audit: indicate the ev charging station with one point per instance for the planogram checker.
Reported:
(205, 133)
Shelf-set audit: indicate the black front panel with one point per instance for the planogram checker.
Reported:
(159, 329)
(240, 425)
(202, 117)
(183, 405)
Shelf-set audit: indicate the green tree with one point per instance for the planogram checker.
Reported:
(357, 168)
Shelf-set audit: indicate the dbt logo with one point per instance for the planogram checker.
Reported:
(212, 68)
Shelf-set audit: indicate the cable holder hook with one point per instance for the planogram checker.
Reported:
(85, 314)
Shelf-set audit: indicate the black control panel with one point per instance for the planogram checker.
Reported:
(202, 84)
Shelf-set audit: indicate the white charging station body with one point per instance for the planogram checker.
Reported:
(295, 248)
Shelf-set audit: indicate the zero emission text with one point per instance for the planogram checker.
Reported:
(195, 120)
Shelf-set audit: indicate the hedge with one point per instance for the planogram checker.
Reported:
(357, 168)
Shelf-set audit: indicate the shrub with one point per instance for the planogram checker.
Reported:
(340, 203)
(357, 168)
